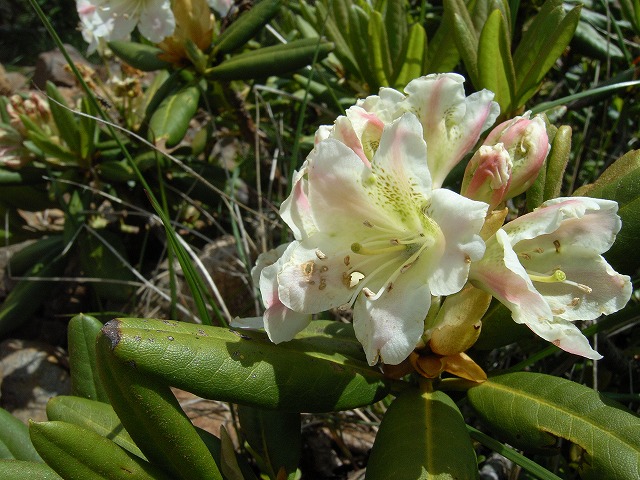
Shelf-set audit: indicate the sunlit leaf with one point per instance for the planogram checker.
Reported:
(533, 411)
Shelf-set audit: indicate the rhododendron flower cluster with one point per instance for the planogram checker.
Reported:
(376, 232)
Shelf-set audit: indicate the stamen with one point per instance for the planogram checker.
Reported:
(555, 277)
(362, 250)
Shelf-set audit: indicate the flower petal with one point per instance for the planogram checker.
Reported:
(452, 122)
(501, 274)
(460, 220)
(565, 335)
(390, 327)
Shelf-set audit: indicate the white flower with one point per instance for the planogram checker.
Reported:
(547, 268)
(371, 232)
(115, 19)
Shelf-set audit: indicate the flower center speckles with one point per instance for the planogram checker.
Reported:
(385, 257)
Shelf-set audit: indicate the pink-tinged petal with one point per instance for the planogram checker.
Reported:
(452, 122)
(156, 20)
(590, 222)
(282, 323)
(501, 274)
(565, 335)
(460, 220)
(390, 327)
(295, 210)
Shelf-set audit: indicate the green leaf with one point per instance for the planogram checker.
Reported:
(422, 436)
(151, 414)
(21, 470)
(268, 61)
(539, 54)
(246, 26)
(442, 55)
(466, 37)
(82, 332)
(396, 25)
(495, 66)
(64, 118)
(64, 447)
(532, 411)
(379, 55)
(274, 435)
(359, 42)
(116, 171)
(14, 439)
(621, 182)
(245, 367)
(327, 24)
(138, 55)
(589, 42)
(171, 120)
(96, 416)
(413, 57)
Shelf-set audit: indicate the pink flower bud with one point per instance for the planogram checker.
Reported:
(527, 142)
(508, 162)
(488, 175)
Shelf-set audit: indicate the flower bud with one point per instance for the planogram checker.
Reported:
(526, 143)
(488, 175)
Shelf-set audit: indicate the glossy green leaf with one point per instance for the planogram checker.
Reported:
(151, 414)
(64, 118)
(138, 55)
(82, 332)
(14, 439)
(21, 470)
(27, 296)
(557, 162)
(532, 411)
(422, 436)
(246, 26)
(553, 34)
(379, 55)
(495, 66)
(631, 12)
(621, 182)
(64, 448)
(268, 61)
(245, 367)
(93, 415)
(170, 121)
(274, 435)
(413, 57)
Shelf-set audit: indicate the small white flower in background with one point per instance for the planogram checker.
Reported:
(109, 20)
(547, 268)
(371, 232)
